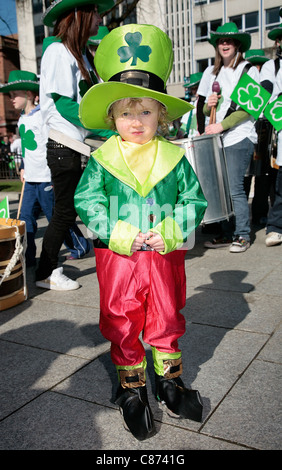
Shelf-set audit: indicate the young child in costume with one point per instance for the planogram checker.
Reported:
(141, 199)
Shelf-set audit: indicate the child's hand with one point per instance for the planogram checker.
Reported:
(155, 241)
(138, 242)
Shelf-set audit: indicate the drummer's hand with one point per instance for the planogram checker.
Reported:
(213, 100)
(214, 128)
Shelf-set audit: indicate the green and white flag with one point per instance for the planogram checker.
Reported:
(4, 208)
(273, 112)
(250, 96)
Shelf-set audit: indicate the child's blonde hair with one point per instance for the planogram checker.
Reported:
(131, 102)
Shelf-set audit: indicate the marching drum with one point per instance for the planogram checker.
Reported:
(207, 158)
(13, 289)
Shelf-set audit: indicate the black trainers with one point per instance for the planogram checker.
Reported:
(218, 242)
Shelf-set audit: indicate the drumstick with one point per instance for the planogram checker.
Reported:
(21, 200)
(216, 90)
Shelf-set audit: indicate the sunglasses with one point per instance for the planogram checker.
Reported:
(225, 41)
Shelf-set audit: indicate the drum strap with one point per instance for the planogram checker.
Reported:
(233, 105)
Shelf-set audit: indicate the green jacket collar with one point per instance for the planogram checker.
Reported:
(110, 157)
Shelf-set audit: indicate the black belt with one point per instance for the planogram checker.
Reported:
(51, 144)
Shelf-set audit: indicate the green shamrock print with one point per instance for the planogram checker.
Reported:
(134, 49)
(28, 140)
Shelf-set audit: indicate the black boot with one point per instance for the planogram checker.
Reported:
(136, 411)
(171, 391)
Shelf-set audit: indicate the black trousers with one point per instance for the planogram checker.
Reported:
(65, 166)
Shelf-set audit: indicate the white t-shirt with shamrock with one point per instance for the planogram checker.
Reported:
(228, 79)
(34, 137)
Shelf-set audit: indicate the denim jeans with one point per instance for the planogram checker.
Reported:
(36, 196)
(238, 158)
(274, 221)
(65, 166)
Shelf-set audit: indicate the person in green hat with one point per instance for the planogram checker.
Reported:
(189, 124)
(260, 167)
(23, 89)
(270, 79)
(236, 126)
(141, 200)
(67, 71)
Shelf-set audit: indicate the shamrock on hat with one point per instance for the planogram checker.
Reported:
(134, 61)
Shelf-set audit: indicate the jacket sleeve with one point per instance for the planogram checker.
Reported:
(188, 212)
(94, 208)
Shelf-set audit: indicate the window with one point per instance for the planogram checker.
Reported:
(204, 63)
(248, 22)
(203, 29)
(272, 18)
(251, 22)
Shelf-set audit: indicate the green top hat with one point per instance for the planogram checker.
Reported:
(134, 61)
(95, 40)
(193, 80)
(256, 56)
(59, 7)
(230, 30)
(21, 80)
(275, 33)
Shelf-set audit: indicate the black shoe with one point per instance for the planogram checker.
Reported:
(136, 411)
(180, 402)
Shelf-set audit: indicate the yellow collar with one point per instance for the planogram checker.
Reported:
(165, 157)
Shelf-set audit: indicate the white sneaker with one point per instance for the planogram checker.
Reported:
(273, 238)
(58, 281)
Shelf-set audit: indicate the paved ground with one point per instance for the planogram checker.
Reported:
(57, 380)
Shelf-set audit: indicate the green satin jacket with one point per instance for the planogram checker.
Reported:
(114, 206)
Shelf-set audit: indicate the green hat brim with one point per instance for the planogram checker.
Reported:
(20, 85)
(59, 7)
(190, 85)
(243, 38)
(275, 33)
(94, 106)
(257, 59)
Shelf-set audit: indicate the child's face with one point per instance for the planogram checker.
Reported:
(18, 99)
(139, 122)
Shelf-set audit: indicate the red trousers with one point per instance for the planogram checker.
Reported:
(141, 293)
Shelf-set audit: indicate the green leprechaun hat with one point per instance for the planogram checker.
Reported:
(59, 7)
(134, 61)
(193, 80)
(21, 80)
(275, 33)
(230, 30)
(95, 40)
(256, 56)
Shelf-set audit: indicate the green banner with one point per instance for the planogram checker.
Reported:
(4, 208)
(273, 112)
(250, 96)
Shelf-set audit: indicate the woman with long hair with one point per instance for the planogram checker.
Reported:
(67, 72)
(236, 125)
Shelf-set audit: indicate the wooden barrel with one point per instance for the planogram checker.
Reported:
(13, 289)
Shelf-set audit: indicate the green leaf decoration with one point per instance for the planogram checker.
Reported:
(250, 96)
(134, 50)
(28, 139)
